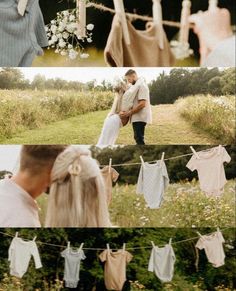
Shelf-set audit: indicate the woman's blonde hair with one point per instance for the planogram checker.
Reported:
(77, 195)
(119, 85)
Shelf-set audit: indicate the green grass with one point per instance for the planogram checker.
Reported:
(184, 206)
(168, 128)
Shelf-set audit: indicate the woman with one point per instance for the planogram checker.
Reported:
(124, 100)
(77, 195)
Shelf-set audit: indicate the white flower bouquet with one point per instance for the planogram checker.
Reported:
(63, 35)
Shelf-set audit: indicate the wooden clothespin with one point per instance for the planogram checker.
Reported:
(218, 229)
(153, 245)
(163, 156)
(81, 16)
(212, 5)
(120, 10)
(157, 19)
(195, 153)
(81, 247)
(184, 22)
(35, 238)
(16, 235)
(110, 164)
(68, 244)
(21, 7)
(142, 160)
(219, 149)
(198, 233)
(108, 247)
(170, 241)
(124, 246)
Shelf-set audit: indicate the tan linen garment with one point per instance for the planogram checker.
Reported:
(213, 246)
(210, 168)
(109, 177)
(144, 50)
(115, 268)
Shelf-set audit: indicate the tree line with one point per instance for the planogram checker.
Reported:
(165, 89)
(181, 82)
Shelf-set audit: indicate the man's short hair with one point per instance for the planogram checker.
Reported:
(130, 72)
(35, 158)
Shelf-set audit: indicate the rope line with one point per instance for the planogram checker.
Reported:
(132, 16)
(134, 164)
(102, 249)
(135, 16)
(167, 159)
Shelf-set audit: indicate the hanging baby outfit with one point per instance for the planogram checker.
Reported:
(213, 246)
(143, 51)
(72, 266)
(19, 255)
(152, 182)
(22, 37)
(109, 176)
(210, 167)
(115, 268)
(162, 262)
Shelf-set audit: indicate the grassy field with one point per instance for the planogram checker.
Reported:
(168, 128)
(184, 206)
(215, 115)
(70, 117)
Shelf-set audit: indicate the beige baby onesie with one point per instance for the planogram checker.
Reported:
(109, 177)
(115, 268)
(213, 245)
(210, 167)
(144, 50)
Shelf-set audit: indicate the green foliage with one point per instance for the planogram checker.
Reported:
(167, 88)
(215, 115)
(186, 276)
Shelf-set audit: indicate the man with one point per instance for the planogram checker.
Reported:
(141, 114)
(18, 207)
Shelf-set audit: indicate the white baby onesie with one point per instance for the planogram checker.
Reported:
(162, 262)
(19, 255)
(213, 245)
(152, 182)
(72, 266)
(210, 167)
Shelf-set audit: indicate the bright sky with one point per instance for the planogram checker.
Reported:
(9, 157)
(88, 74)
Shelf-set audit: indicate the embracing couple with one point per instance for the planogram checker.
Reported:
(77, 192)
(131, 103)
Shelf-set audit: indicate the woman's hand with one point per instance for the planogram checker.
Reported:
(125, 114)
(212, 27)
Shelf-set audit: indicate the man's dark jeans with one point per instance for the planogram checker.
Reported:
(139, 130)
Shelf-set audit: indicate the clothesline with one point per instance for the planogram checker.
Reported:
(135, 16)
(132, 16)
(135, 164)
(101, 249)
(167, 159)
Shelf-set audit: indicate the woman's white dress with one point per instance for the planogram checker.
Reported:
(110, 130)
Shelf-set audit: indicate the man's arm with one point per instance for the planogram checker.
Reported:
(140, 106)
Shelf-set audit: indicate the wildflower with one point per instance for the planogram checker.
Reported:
(90, 26)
